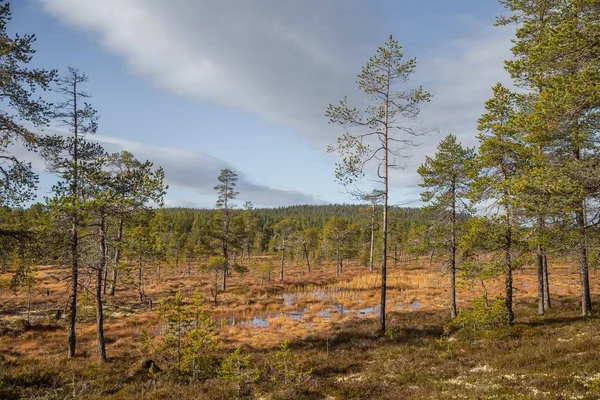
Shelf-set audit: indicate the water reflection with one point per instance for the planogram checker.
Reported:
(341, 300)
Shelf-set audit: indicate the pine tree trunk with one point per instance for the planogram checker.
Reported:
(372, 244)
(99, 310)
(540, 278)
(72, 337)
(586, 300)
(282, 261)
(453, 255)
(74, 277)
(104, 279)
(547, 303)
(225, 267)
(508, 285)
(306, 257)
(384, 233)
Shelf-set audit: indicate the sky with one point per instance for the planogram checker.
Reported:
(196, 86)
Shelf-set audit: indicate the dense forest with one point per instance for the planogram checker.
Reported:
(525, 199)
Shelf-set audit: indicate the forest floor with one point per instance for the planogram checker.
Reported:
(331, 325)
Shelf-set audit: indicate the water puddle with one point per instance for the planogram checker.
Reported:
(343, 300)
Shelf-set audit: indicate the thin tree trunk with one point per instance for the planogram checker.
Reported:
(306, 257)
(586, 300)
(74, 278)
(99, 311)
(540, 277)
(113, 283)
(75, 232)
(547, 303)
(104, 279)
(384, 233)
(282, 261)
(508, 285)
(453, 312)
(225, 266)
(372, 247)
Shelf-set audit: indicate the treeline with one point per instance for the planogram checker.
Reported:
(184, 238)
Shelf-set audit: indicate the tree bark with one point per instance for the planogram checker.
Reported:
(72, 336)
(74, 277)
(225, 266)
(586, 300)
(384, 233)
(282, 261)
(453, 254)
(547, 303)
(99, 311)
(306, 256)
(540, 277)
(372, 249)
(508, 284)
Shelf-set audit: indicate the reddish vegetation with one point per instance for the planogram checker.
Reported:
(245, 298)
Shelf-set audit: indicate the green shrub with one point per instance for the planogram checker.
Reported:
(238, 368)
(187, 342)
(480, 317)
(285, 368)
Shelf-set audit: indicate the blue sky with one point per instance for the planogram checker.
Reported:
(197, 86)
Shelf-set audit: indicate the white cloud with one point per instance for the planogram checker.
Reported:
(284, 61)
(278, 60)
(197, 173)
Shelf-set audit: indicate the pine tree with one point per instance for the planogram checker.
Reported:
(17, 86)
(285, 231)
(379, 125)
(499, 162)
(338, 239)
(75, 160)
(226, 193)
(135, 187)
(447, 180)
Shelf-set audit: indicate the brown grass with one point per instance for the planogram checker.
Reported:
(347, 359)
